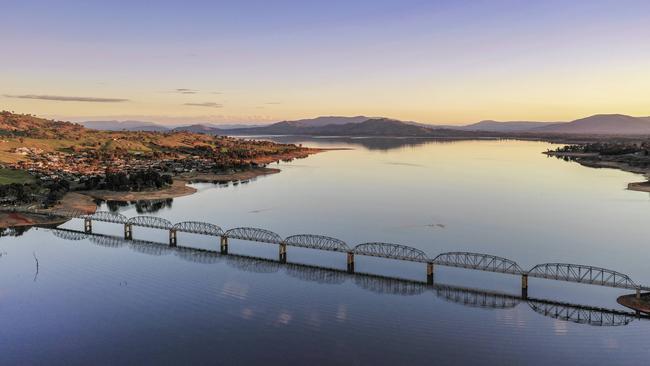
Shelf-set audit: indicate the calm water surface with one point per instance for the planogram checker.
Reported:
(103, 300)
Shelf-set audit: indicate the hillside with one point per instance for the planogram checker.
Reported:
(510, 126)
(25, 136)
(199, 128)
(370, 127)
(601, 124)
(28, 125)
(326, 121)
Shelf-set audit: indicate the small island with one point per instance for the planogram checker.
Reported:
(48, 165)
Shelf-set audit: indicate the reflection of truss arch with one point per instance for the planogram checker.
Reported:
(385, 285)
(316, 274)
(107, 241)
(149, 248)
(391, 251)
(254, 265)
(581, 314)
(69, 235)
(477, 298)
(197, 256)
(317, 242)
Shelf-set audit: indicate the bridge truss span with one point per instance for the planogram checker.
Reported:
(253, 234)
(583, 274)
(198, 227)
(391, 251)
(317, 242)
(477, 261)
(106, 216)
(150, 222)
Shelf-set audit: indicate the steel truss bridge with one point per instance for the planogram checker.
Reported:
(476, 261)
(382, 285)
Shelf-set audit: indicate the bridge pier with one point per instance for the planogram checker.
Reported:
(128, 231)
(638, 293)
(172, 237)
(224, 245)
(283, 253)
(88, 225)
(350, 262)
(524, 286)
(430, 273)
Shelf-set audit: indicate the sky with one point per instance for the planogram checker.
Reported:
(260, 61)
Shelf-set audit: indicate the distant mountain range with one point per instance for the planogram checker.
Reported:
(153, 126)
(601, 124)
(123, 126)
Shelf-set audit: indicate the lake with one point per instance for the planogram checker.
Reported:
(67, 298)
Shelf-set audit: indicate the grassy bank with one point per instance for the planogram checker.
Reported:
(8, 176)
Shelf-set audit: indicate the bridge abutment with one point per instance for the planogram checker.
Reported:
(283, 253)
(224, 245)
(350, 262)
(172, 238)
(430, 273)
(524, 286)
(88, 226)
(128, 231)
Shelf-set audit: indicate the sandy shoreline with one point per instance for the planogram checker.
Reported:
(630, 301)
(639, 187)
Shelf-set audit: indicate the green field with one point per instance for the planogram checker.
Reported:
(8, 176)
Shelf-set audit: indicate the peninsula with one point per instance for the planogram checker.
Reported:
(55, 164)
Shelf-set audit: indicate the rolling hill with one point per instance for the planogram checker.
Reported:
(510, 126)
(601, 124)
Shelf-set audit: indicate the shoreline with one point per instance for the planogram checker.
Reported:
(630, 301)
(584, 160)
(85, 201)
(179, 187)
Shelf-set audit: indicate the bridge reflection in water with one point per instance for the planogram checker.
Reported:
(582, 314)
(476, 261)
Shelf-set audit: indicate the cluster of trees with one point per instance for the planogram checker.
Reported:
(47, 193)
(17, 193)
(609, 148)
(131, 181)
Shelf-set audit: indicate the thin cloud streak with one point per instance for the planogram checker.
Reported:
(206, 104)
(186, 91)
(60, 98)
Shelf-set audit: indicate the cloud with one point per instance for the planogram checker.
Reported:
(185, 91)
(206, 104)
(61, 98)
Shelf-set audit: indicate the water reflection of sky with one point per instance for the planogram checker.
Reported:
(100, 301)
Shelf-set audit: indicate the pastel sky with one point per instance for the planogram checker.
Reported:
(268, 60)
